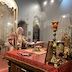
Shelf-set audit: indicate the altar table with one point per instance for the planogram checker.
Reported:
(32, 63)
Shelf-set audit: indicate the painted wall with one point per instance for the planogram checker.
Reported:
(48, 13)
(27, 10)
(54, 12)
(6, 22)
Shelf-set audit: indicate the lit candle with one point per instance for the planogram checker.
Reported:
(55, 24)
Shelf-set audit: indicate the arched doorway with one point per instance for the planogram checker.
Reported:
(36, 28)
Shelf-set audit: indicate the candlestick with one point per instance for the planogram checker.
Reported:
(54, 27)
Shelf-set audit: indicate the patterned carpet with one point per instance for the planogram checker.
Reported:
(3, 65)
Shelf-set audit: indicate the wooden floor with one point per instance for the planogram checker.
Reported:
(3, 64)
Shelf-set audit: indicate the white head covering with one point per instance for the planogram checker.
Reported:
(19, 30)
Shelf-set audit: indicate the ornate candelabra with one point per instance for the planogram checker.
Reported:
(54, 27)
(70, 30)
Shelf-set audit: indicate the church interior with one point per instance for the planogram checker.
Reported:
(35, 35)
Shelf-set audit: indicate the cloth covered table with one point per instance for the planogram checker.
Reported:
(37, 61)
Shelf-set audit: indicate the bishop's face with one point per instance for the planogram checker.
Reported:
(19, 32)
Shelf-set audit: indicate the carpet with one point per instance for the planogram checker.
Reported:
(3, 65)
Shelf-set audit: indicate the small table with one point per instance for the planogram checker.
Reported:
(40, 43)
